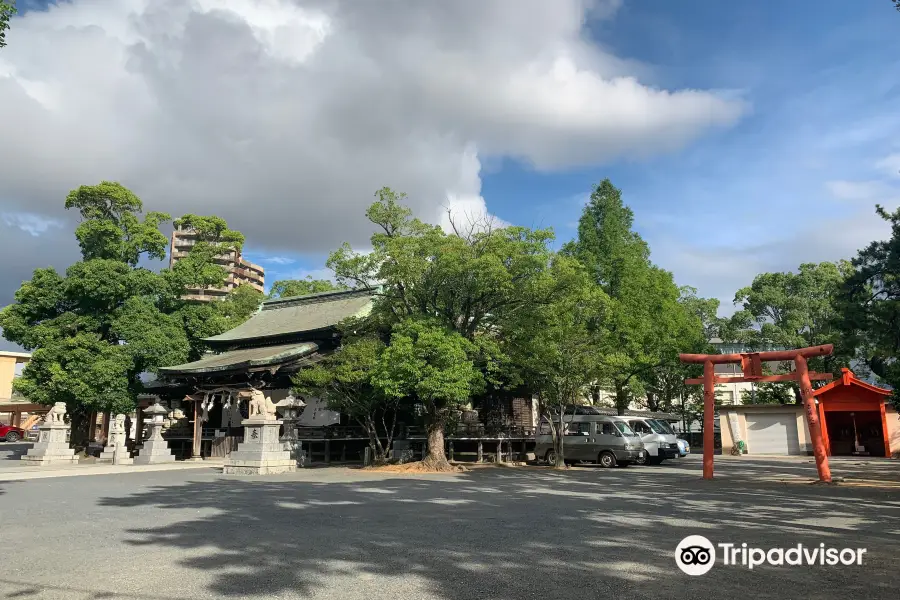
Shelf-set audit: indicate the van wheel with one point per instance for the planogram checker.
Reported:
(550, 457)
(607, 460)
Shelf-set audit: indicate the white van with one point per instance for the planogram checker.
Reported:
(659, 440)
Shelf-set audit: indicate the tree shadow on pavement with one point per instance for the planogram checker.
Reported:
(512, 534)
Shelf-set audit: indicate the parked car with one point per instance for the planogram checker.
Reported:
(658, 438)
(8, 433)
(591, 438)
(683, 447)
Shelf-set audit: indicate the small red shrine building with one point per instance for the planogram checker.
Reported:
(853, 417)
(856, 419)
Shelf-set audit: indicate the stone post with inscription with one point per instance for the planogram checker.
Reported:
(261, 452)
(52, 447)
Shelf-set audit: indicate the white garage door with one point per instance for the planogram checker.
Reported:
(772, 434)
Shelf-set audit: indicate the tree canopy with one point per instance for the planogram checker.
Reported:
(792, 310)
(459, 291)
(7, 10)
(429, 364)
(869, 304)
(96, 329)
(288, 288)
(555, 348)
(345, 381)
(648, 322)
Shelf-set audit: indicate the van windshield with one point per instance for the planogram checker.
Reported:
(624, 428)
(660, 426)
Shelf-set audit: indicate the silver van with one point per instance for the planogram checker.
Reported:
(591, 438)
(659, 440)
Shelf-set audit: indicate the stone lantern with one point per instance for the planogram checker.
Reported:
(290, 409)
(155, 449)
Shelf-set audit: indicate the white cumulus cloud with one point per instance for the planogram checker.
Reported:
(284, 116)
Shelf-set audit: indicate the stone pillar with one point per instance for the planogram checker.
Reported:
(139, 427)
(198, 431)
(52, 447)
(261, 452)
(155, 449)
(116, 451)
(104, 427)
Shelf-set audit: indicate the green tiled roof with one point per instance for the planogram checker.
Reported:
(301, 314)
(246, 358)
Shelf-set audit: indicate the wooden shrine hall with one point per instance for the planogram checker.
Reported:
(261, 353)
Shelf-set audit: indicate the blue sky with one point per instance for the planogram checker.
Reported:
(165, 102)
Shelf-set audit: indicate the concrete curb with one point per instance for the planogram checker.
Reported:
(29, 473)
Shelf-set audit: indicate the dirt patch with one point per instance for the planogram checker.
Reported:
(417, 467)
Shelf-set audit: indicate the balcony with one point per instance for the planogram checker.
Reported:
(247, 274)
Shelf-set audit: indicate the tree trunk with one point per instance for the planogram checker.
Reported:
(652, 402)
(389, 431)
(621, 399)
(378, 457)
(436, 458)
(595, 395)
(80, 429)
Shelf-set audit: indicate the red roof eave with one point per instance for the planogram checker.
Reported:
(851, 380)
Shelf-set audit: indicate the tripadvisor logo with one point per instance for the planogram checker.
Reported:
(696, 555)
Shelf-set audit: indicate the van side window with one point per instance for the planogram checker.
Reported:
(544, 428)
(578, 428)
(640, 427)
(607, 429)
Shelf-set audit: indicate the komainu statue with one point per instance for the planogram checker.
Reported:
(261, 405)
(55, 414)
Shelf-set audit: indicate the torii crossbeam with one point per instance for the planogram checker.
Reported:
(751, 365)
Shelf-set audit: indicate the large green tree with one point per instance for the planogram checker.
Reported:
(96, 329)
(474, 284)
(7, 10)
(345, 381)
(288, 288)
(664, 386)
(793, 310)
(869, 305)
(554, 349)
(647, 325)
(430, 365)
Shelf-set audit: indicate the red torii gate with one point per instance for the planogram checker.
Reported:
(751, 365)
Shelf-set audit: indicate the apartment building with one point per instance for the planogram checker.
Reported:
(240, 270)
(12, 406)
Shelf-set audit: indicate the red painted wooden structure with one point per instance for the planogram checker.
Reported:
(751, 365)
(849, 394)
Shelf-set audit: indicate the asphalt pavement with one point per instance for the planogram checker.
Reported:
(504, 533)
